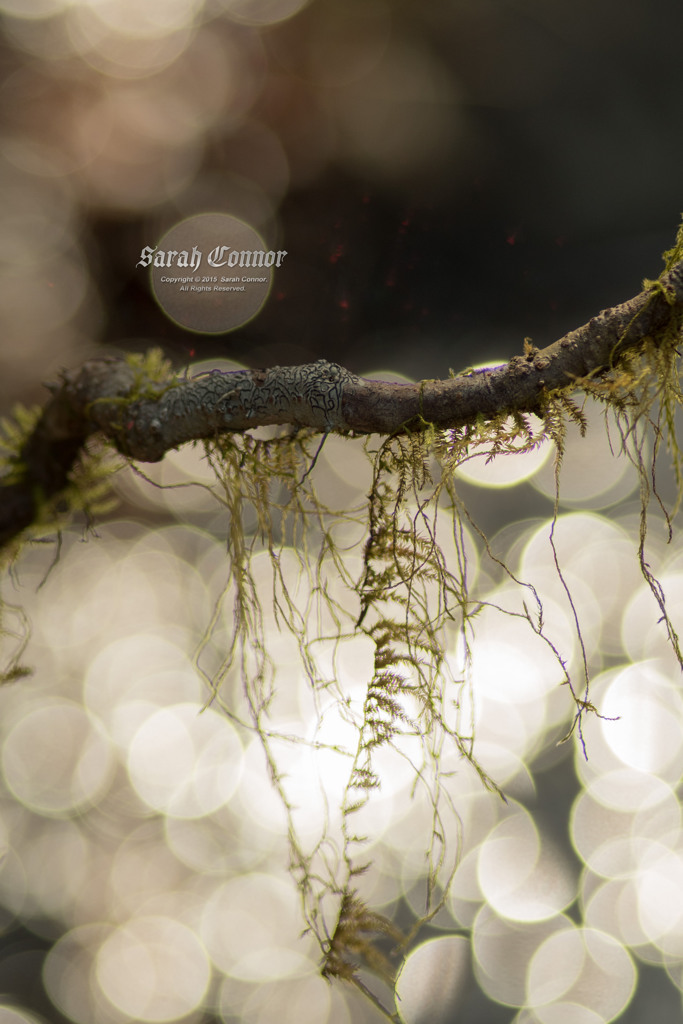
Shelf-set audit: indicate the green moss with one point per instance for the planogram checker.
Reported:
(405, 598)
(15, 430)
(153, 374)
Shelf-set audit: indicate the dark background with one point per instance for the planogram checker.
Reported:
(530, 176)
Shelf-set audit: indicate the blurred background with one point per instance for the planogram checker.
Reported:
(447, 179)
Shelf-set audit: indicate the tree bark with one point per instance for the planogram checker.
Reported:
(105, 395)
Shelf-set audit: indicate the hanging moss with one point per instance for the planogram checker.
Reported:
(407, 597)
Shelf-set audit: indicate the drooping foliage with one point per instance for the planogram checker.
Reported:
(390, 574)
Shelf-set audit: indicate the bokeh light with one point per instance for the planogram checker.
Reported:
(180, 761)
(517, 878)
(430, 984)
(251, 930)
(187, 833)
(57, 759)
(153, 969)
(600, 482)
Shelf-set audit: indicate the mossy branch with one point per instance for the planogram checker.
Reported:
(145, 411)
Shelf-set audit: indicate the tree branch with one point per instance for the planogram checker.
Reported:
(144, 420)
